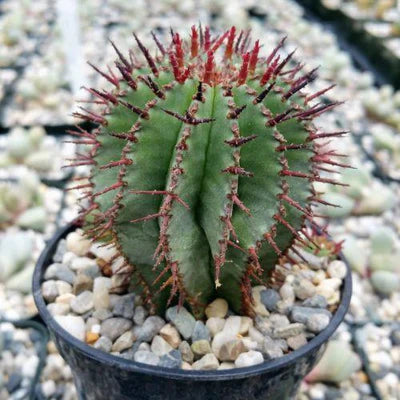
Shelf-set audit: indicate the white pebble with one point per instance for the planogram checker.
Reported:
(78, 243)
(248, 359)
(215, 325)
(337, 269)
(73, 325)
(95, 328)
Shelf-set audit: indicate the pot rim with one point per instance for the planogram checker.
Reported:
(174, 373)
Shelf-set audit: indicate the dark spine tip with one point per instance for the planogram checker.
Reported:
(264, 93)
(158, 43)
(147, 55)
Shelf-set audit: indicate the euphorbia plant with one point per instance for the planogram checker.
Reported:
(203, 166)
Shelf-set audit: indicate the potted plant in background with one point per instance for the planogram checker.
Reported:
(200, 191)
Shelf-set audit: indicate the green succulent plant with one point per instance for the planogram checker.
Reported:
(202, 165)
(21, 203)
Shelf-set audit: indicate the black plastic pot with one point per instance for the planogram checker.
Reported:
(99, 375)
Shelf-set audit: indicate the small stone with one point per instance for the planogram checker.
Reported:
(270, 298)
(282, 343)
(319, 277)
(185, 365)
(159, 346)
(250, 344)
(326, 291)
(337, 269)
(60, 272)
(220, 339)
(317, 301)
(115, 327)
(200, 332)
(215, 325)
(288, 331)
(106, 253)
(287, 293)
(206, 363)
(49, 290)
(63, 287)
(77, 243)
(333, 283)
(303, 289)
(231, 350)
(284, 306)
(272, 349)
(171, 360)
(258, 306)
(125, 306)
(146, 357)
(230, 332)
(102, 314)
(68, 257)
(318, 322)
(256, 335)
(58, 309)
(201, 347)
(295, 342)
(65, 298)
(92, 271)
(82, 283)
(118, 282)
(101, 296)
(80, 263)
(226, 365)
(91, 337)
(182, 319)
(171, 335)
(186, 351)
(303, 314)
(14, 382)
(103, 343)
(144, 346)
(48, 388)
(82, 303)
(263, 324)
(278, 320)
(73, 325)
(248, 359)
(313, 261)
(232, 325)
(101, 282)
(151, 326)
(60, 251)
(245, 324)
(124, 342)
(218, 309)
(139, 315)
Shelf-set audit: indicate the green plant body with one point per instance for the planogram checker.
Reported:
(202, 166)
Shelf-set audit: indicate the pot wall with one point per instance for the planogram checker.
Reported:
(101, 376)
(97, 381)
